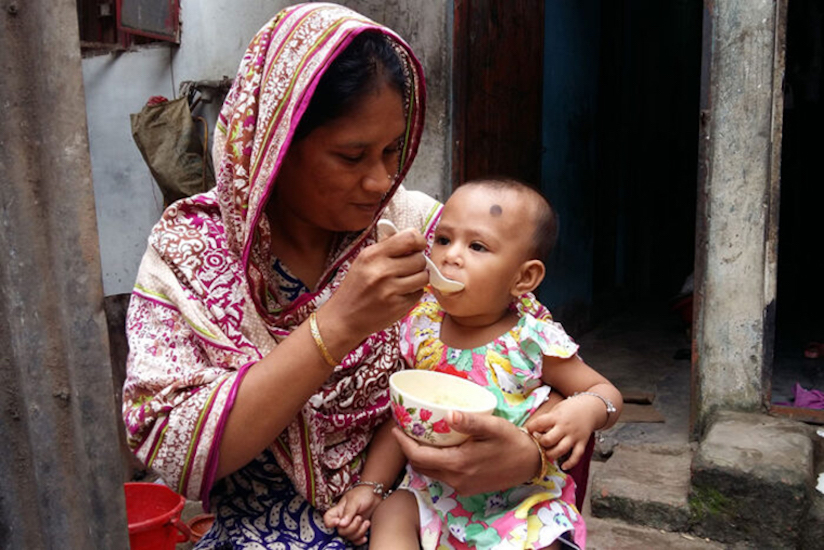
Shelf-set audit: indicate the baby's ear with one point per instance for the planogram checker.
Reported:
(529, 277)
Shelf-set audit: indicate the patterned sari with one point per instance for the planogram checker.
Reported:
(206, 305)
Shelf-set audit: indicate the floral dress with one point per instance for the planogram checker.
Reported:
(533, 515)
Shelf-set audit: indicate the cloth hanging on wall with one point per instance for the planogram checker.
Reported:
(175, 151)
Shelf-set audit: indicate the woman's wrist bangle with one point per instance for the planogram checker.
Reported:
(610, 407)
(377, 488)
(324, 351)
(542, 472)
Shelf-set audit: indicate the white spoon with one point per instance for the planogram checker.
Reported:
(436, 279)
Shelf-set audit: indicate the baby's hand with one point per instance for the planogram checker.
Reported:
(566, 428)
(350, 516)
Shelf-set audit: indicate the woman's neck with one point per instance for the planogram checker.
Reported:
(459, 334)
(302, 247)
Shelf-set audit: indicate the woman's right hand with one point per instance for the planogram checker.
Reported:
(383, 284)
(497, 456)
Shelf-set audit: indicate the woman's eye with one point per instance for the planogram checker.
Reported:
(352, 159)
(477, 247)
(393, 149)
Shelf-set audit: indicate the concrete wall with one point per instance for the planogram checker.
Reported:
(214, 37)
(737, 218)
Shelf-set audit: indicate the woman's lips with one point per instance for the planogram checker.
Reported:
(368, 207)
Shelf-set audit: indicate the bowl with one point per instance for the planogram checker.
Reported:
(199, 525)
(422, 399)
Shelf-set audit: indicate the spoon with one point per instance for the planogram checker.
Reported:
(436, 278)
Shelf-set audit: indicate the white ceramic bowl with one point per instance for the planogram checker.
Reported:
(421, 400)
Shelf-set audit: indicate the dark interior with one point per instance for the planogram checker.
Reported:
(799, 305)
(628, 202)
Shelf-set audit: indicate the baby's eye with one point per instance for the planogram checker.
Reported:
(477, 247)
(442, 241)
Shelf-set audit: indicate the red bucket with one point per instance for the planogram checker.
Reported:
(153, 512)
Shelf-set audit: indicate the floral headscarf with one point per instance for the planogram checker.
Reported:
(203, 309)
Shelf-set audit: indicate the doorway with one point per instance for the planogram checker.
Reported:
(617, 121)
(799, 330)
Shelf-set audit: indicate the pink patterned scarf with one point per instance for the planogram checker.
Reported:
(203, 309)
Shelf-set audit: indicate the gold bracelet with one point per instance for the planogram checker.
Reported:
(544, 462)
(313, 328)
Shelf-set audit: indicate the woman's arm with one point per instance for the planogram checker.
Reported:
(384, 282)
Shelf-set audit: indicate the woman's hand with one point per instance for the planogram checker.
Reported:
(384, 283)
(497, 456)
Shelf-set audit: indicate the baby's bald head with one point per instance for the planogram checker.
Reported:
(542, 219)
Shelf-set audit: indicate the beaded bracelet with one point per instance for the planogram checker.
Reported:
(610, 407)
(544, 462)
(377, 488)
(324, 351)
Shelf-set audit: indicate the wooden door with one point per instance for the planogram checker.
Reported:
(498, 64)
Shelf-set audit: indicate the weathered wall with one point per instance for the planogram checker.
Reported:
(427, 26)
(60, 472)
(214, 35)
(735, 266)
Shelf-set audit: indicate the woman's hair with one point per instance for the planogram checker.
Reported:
(369, 61)
(546, 222)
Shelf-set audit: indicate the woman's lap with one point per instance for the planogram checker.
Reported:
(257, 508)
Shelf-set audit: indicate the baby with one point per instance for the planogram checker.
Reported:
(493, 236)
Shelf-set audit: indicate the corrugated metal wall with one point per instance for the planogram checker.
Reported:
(60, 470)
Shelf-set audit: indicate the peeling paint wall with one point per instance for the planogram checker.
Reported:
(214, 37)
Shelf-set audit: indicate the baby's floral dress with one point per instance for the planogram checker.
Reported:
(533, 515)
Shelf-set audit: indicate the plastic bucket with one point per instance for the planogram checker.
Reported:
(153, 513)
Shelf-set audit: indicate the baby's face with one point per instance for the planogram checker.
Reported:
(482, 240)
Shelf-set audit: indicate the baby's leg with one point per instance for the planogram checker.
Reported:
(395, 523)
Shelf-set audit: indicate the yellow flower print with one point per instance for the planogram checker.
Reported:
(495, 359)
(429, 310)
(522, 511)
(534, 525)
(429, 354)
(500, 373)
(556, 350)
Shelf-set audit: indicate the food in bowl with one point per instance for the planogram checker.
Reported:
(422, 399)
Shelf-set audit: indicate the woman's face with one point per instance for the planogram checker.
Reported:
(335, 178)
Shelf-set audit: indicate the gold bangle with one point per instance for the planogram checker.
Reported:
(313, 328)
(544, 462)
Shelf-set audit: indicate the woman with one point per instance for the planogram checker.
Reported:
(263, 324)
